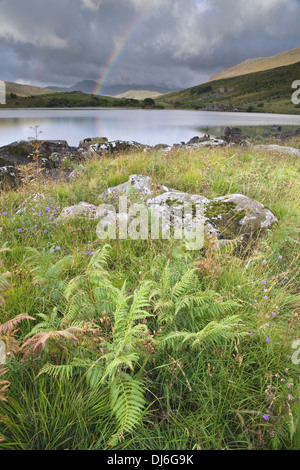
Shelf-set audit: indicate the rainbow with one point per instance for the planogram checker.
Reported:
(116, 54)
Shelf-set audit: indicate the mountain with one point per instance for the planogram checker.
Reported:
(25, 90)
(85, 86)
(260, 64)
(265, 91)
(139, 94)
(89, 87)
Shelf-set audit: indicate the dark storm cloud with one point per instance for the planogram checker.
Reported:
(176, 42)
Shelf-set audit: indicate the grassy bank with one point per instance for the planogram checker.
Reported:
(134, 346)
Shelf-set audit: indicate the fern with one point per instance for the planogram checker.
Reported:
(127, 402)
(90, 292)
(47, 274)
(213, 333)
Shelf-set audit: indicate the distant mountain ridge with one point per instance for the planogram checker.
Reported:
(260, 64)
(89, 87)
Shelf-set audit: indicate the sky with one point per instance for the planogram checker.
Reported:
(177, 43)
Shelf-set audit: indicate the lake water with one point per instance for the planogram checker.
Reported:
(146, 126)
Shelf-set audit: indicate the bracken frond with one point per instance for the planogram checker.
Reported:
(38, 342)
(127, 403)
(10, 324)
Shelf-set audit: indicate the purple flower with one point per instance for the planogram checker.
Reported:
(264, 261)
(58, 248)
(252, 334)
(47, 209)
(268, 340)
(45, 231)
(19, 230)
(36, 226)
(4, 213)
(263, 282)
(273, 314)
(266, 417)
(265, 297)
(280, 257)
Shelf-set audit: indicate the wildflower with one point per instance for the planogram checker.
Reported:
(273, 314)
(264, 261)
(19, 230)
(45, 231)
(4, 213)
(291, 398)
(47, 209)
(58, 248)
(277, 376)
(263, 282)
(36, 226)
(266, 417)
(252, 334)
(242, 238)
(289, 386)
(265, 297)
(280, 256)
(268, 340)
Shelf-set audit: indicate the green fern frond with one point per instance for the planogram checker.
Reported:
(127, 403)
(213, 333)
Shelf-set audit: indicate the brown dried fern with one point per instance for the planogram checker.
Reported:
(10, 324)
(38, 342)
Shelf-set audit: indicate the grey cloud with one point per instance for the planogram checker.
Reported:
(177, 42)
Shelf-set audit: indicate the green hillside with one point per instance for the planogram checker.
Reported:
(56, 99)
(267, 91)
(25, 90)
(260, 64)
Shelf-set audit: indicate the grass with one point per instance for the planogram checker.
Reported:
(211, 394)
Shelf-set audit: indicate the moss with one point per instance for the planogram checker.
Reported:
(224, 216)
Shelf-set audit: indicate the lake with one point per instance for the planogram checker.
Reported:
(146, 126)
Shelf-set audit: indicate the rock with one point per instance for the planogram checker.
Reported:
(218, 107)
(117, 146)
(83, 209)
(197, 139)
(227, 217)
(140, 186)
(207, 143)
(86, 143)
(22, 152)
(161, 146)
(9, 178)
(279, 149)
(236, 215)
(35, 204)
(244, 143)
(233, 134)
(276, 128)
